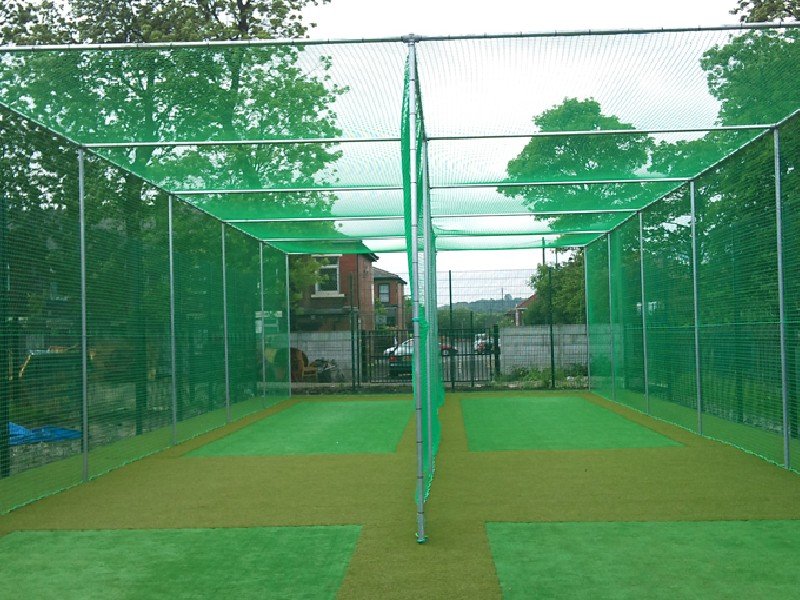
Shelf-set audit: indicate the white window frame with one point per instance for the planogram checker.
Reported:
(318, 293)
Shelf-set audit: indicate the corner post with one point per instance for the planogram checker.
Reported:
(781, 299)
(696, 305)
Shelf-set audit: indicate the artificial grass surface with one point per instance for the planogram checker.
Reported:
(261, 562)
(533, 422)
(698, 481)
(350, 427)
(720, 559)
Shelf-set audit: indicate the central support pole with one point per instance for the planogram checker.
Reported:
(646, 369)
(415, 310)
(84, 340)
(225, 331)
(173, 388)
(433, 351)
(696, 303)
(781, 300)
(613, 360)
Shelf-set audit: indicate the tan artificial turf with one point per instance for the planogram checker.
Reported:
(699, 480)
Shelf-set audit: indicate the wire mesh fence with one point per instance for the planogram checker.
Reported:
(94, 259)
(700, 340)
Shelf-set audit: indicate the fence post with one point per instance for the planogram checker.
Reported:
(586, 308)
(225, 330)
(288, 328)
(781, 299)
(172, 340)
(696, 305)
(496, 347)
(263, 320)
(84, 340)
(613, 361)
(646, 371)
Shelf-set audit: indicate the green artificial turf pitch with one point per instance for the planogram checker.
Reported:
(264, 562)
(713, 559)
(351, 427)
(550, 423)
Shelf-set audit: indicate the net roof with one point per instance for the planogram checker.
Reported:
(532, 139)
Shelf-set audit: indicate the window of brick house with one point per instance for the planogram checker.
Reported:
(328, 281)
(383, 293)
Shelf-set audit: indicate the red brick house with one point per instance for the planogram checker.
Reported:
(389, 299)
(345, 286)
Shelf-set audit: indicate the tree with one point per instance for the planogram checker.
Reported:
(143, 95)
(565, 282)
(579, 157)
(755, 11)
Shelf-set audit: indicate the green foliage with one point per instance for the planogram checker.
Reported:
(565, 283)
(754, 11)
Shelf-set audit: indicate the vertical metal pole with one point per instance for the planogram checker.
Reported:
(451, 336)
(644, 317)
(613, 361)
(172, 340)
(586, 308)
(263, 320)
(695, 263)
(412, 119)
(225, 330)
(433, 354)
(84, 340)
(781, 299)
(288, 329)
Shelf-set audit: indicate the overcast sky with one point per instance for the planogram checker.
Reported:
(388, 18)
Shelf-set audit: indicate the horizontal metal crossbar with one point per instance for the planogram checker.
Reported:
(395, 39)
(599, 132)
(457, 186)
(242, 142)
(534, 213)
(376, 188)
(435, 138)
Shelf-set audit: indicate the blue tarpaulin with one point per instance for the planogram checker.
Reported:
(19, 435)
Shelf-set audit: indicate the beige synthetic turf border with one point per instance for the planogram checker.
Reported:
(702, 480)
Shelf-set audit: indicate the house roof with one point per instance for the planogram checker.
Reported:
(381, 274)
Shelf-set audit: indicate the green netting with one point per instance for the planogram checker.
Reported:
(790, 162)
(669, 310)
(738, 300)
(739, 339)
(626, 303)
(528, 142)
(129, 402)
(598, 317)
(334, 107)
